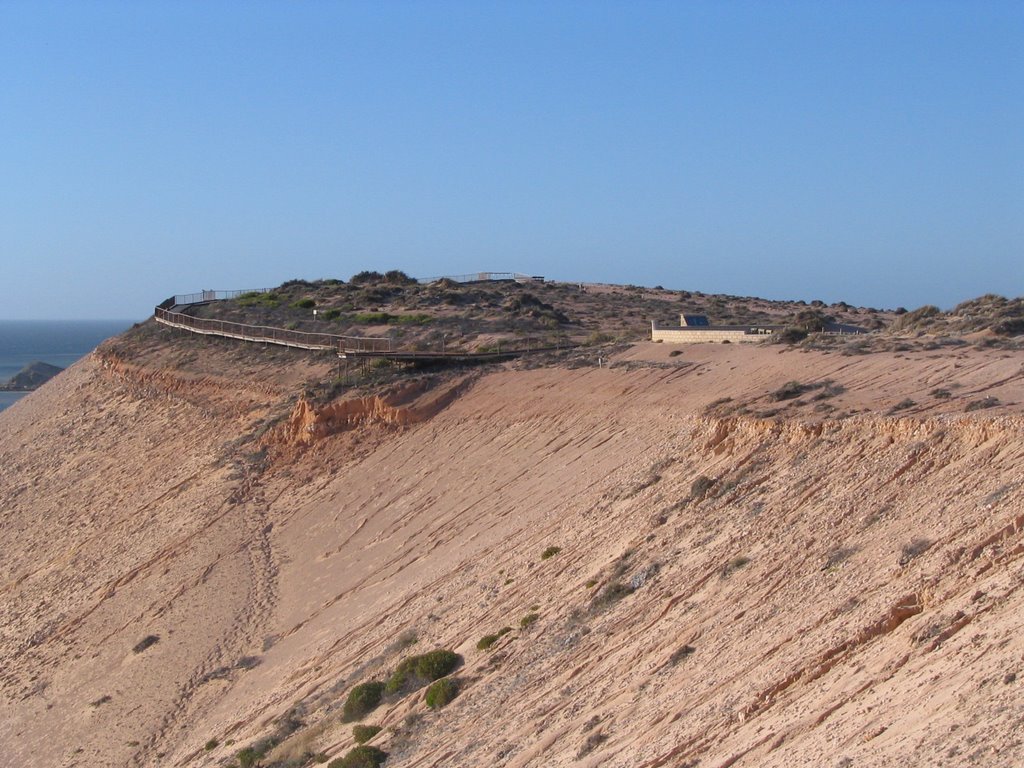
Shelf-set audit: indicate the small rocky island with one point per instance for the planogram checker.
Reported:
(31, 377)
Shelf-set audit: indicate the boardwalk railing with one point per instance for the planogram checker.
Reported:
(483, 277)
(203, 297)
(264, 333)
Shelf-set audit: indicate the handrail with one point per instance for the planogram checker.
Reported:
(269, 334)
(483, 277)
(202, 297)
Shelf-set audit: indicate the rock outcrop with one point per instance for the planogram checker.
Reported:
(31, 377)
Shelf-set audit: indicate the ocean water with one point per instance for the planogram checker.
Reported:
(58, 342)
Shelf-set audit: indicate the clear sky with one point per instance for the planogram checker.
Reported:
(871, 152)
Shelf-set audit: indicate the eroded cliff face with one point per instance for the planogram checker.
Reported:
(400, 406)
(822, 587)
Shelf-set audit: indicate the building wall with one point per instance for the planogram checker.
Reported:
(692, 336)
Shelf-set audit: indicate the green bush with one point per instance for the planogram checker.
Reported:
(441, 692)
(360, 757)
(304, 304)
(550, 552)
(365, 277)
(362, 700)
(399, 277)
(419, 319)
(372, 318)
(255, 298)
(248, 757)
(528, 619)
(211, 745)
(486, 642)
(363, 733)
(610, 595)
(416, 671)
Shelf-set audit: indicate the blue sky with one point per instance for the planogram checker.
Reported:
(866, 152)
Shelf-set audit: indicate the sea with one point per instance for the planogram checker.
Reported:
(57, 342)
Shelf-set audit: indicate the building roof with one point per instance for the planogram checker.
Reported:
(691, 321)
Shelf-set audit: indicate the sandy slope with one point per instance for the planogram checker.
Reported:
(875, 621)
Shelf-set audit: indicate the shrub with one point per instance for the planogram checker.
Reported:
(486, 642)
(405, 640)
(372, 318)
(789, 390)
(330, 314)
(528, 619)
(418, 319)
(248, 757)
(611, 595)
(362, 700)
(304, 304)
(789, 335)
(599, 337)
(441, 692)
(734, 565)
(363, 733)
(922, 317)
(681, 654)
(593, 741)
(550, 552)
(699, 488)
(211, 745)
(914, 548)
(399, 277)
(987, 402)
(811, 320)
(416, 671)
(145, 643)
(255, 298)
(360, 757)
(364, 277)
(902, 405)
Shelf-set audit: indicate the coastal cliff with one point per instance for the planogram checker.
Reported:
(696, 565)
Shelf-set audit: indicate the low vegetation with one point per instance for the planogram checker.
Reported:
(978, 405)
(681, 654)
(363, 733)
(441, 692)
(487, 641)
(550, 552)
(362, 700)
(416, 671)
(734, 565)
(914, 549)
(528, 620)
(610, 595)
(362, 756)
(146, 642)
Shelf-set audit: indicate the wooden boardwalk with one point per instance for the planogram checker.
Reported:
(172, 314)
